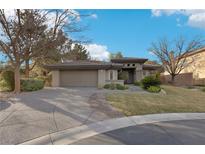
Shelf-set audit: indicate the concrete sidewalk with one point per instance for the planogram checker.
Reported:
(73, 135)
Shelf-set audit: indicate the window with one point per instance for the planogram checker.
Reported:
(128, 64)
(133, 64)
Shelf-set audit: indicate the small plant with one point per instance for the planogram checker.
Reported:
(107, 86)
(154, 89)
(190, 87)
(121, 87)
(137, 83)
(114, 86)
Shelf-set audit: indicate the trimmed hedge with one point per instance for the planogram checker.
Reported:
(113, 86)
(154, 89)
(31, 84)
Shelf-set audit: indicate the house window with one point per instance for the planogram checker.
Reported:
(111, 75)
(133, 64)
(128, 64)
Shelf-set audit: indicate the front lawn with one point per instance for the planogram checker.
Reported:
(176, 100)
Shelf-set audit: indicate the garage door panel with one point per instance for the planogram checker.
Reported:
(79, 78)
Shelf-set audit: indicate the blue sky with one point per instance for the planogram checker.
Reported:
(132, 31)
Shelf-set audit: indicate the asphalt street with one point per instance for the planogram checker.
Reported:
(186, 132)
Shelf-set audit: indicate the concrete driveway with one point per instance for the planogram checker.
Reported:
(34, 114)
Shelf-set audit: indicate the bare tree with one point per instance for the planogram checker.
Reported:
(10, 42)
(173, 55)
(31, 35)
(116, 55)
(50, 45)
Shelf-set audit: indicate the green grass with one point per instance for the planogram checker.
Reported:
(176, 100)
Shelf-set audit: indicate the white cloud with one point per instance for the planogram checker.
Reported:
(196, 18)
(98, 52)
(94, 16)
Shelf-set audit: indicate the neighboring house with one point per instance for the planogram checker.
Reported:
(98, 73)
(194, 73)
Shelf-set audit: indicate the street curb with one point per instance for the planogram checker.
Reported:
(72, 135)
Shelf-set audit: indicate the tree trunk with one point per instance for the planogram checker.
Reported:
(27, 68)
(17, 79)
(173, 78)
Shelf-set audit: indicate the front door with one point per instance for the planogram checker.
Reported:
(130, 78)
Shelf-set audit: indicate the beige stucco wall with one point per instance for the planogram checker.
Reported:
(107, 75)
(55, 78)
(101, 78)
(197, 67)
(138, 72)
(104, 78)
(115, 74)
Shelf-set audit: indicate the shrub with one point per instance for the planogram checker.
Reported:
(154, 89)
(114, 86)
(7, 78)
(121, 87)
(4, 86)
(190, 87)
(107, 86)
(148, 81)
(31, 84)
(203, 89)
(47, 79)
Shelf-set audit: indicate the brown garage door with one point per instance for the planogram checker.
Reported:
(87, 78)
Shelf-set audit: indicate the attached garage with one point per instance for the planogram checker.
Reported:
(83, 73)
(79, 78)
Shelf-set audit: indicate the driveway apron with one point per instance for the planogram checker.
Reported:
(34, 114)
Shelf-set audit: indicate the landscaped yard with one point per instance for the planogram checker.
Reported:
(176, 100)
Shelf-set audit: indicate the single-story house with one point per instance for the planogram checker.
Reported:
(98, 73)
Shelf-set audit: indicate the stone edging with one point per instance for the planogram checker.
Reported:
(72, 135)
